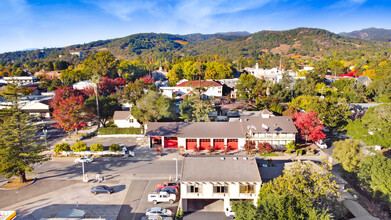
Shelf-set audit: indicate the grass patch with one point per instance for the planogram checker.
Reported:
(267, 154)
(14, 183)
(112, 130)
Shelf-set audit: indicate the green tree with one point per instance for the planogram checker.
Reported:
(348, 153)
(115, 148)
(193, 108)
(102, 64)
(375, 172)
(107, 106)
(19, 148)
(152, 107)
(54, 84)
(79, 147)
(374, 128)
(246, 87)
(97, 147)
(62, 147)
(244, 210)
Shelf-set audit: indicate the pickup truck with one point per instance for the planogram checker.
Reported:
(166, 184)
(161, 197)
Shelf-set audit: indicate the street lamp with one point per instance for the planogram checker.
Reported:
(84, 177)
(176, 169)
(45, 132)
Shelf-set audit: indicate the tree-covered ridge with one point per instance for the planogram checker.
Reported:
(377, 34)
(308, 42)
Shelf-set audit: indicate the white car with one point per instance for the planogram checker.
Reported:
(84, 159)
(158, 211)
(321, 144)
(229, 213)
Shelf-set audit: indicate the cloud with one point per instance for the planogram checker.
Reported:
(122, 9)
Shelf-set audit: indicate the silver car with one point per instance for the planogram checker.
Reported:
(158, 211)
(84, 159)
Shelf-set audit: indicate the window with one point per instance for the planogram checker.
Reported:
(193, 188)
(204, 140)
(220, 189)
(130, 120)
(246, 188)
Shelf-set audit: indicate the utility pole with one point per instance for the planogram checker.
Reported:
(176, 169)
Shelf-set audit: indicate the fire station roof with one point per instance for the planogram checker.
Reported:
(220, 169)
(277, 124)
(196, 129)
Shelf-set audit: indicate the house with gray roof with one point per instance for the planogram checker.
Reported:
(213, 177)
(124, 119)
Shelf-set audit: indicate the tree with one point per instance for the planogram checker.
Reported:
(107, 106)
(68, 109)
(193, 108)
(246, 86)
(97, 147)
(375, 172)
(309, 126)
(291, 146)
(265, 147)
(79, 147)
(19, 148)
(55, 83)
(152, 107)
(115, 148)
(62, 147)
(133, 91)
(102, 64)
(244, 210)
(374, 127)
(348, 153)
(249, 146)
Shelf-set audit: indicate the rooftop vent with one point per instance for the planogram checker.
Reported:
(222, 158)
(245, 158)
(235, 158)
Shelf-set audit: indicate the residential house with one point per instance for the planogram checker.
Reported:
(124, 119)
(364, 80)
(159, 74)
(39, 109)
(227, 178)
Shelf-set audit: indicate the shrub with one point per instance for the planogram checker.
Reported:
(114, 130)
(79, 147)
(115, 148)
(291, 146)
(300, 151)
(97, 147)
(249, 146)
(265, 147)
(179, 214)
(61, 147)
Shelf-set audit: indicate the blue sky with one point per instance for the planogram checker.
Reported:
(54, 23)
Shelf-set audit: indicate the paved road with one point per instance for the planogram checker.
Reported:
(132, 200)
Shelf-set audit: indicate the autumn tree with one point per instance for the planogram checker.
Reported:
(68, 109)
(265, 147)
(309, 126)
(348, 153)
(133, 91)
(19, 148)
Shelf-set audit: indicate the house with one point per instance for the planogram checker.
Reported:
(213, 88)
(124, 119)
(39, 109)
(275, 130)
(159, 74)
(49, 75)
(364, 80)
(213, 178)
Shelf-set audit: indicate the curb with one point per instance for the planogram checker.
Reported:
(7, 189)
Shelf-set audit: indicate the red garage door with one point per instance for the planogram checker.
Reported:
(191, 144)
(204, 144)
(218, 144)
(232, 144)
(170, 142)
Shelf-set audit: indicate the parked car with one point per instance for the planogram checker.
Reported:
(166, 184)
(169, 189)
(161, 197)
(158, 211)
(102, 189)
(84, 159)
(229, 213)
(156, 217)
(321, 144)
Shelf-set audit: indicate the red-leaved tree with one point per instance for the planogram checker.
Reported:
(265, 147)
(309, 126)
(68, 109)
(106, 86)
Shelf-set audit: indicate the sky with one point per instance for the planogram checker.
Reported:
(27, 24)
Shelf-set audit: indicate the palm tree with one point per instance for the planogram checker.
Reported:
(95, 79)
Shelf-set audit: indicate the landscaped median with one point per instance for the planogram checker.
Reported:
(120, 132)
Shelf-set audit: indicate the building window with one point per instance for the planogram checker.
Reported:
(130, 120)
(220, 189)
(193, 188)
(247, 188)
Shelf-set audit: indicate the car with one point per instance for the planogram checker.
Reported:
(168, 189)
(321, 144)
(84, 159)
(156, 217)
(229, 213)
(161, 197)
(102, 189)
(167, 184)
(158, 211)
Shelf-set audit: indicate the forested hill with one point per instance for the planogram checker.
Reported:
(377, 34)
(303, 42)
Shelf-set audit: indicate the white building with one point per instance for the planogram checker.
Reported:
(225, 178)
(83, 85)
(20, 80)
(124, 119)
(213, 88)
(37, 109)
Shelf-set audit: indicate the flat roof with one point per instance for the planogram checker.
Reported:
(277, 124)
(215, 169)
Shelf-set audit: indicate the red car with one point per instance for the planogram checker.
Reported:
(166, 184)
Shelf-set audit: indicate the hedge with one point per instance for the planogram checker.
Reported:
(112, 130)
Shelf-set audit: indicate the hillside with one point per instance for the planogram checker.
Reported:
(377, 34)
(304, 42)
